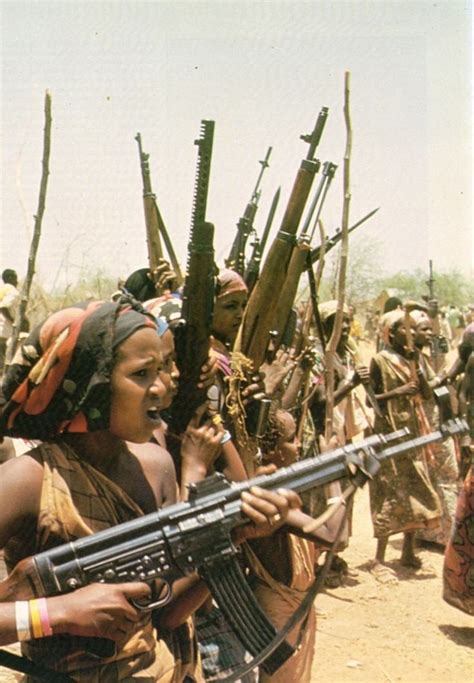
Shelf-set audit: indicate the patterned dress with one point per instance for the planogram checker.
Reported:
(458, 573)
(78, 500)
(402, 497)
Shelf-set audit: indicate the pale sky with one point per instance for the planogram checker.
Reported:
(262, 71)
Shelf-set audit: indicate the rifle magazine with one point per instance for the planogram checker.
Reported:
(232, 593)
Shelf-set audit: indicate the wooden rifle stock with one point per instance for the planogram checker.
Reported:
(259, 315)
(155, 250)
(299, 257)
(155, 225)
(253, 267)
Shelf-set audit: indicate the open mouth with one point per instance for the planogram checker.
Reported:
(154, 414)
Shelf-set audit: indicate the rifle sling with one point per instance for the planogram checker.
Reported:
(26, 666)
(239, 606)
(300, 614)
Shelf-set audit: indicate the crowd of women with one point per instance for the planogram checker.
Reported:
(85, 405)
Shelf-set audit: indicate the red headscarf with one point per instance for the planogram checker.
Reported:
(60, 379)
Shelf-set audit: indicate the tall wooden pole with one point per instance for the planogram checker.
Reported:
(336, 333)
(25, 290)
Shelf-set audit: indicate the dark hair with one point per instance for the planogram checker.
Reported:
(9, 276)
(140, 285)
(392, 303)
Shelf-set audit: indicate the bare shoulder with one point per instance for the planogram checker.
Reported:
(159, 469)
(21, 481)
(152, 456)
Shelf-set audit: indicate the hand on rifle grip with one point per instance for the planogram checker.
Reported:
(208, 372)
(255, 389)
(99, 610)
(362, 374)
(275, 372)
(201, 443)
(164, 277)
(163, 597)
(267, 510)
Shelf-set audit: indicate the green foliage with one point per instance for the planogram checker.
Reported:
(91, 285)
(450, 287)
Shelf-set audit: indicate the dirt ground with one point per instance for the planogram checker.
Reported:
(374, 633)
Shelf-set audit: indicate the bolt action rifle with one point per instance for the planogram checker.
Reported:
(155, 226)
(253, 266)
(439, 343)
(258, 319)
(236, 258)
(332, 241)
(299, 257)
(196, 536)
(192, 336)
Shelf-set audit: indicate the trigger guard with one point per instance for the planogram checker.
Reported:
(154, 604)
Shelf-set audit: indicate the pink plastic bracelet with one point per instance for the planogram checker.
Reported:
(44, 616)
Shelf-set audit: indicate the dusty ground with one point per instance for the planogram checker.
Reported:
(377, 633)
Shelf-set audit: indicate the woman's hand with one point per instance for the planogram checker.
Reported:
(275, 372)
(98, 610)
(164, 277)
(267, 511)
(200, 444)
(408, 389)
(208, 372)
(255, 390)
(361, 374)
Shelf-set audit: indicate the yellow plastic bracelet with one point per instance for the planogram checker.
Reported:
(36, 619)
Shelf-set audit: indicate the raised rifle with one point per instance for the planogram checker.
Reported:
(196, 536)
(439, 344)
(236, 258)
(299, 257)
(155, 225)
(332, 241)
(259, 315)
(192, 336)
(253, 266)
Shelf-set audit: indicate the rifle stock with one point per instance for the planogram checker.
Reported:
(155, 225)
(155, 249)
(259, 315)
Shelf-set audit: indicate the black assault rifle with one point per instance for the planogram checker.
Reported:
(196, 536)
(192, 337)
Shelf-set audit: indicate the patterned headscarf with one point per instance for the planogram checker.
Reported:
(329, 308)
(60, 378)
(229, 282)
(419, 316)
(167, 311)
(390, 320)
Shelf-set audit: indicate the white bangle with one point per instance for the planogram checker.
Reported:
(22, 613)
(226, 436)
(335, 499)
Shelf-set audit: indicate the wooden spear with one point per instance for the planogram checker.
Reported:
(336, 333)
(25, 290)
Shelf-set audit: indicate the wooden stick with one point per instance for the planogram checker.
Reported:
(336, 333)
(25, 290)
